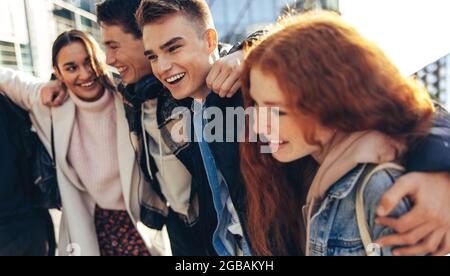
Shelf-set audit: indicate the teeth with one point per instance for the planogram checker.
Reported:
(121, 69)
(88, 84)
(277, 142)
(175, 78)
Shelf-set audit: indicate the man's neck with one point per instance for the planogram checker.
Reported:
(141, 78)
(201, 94)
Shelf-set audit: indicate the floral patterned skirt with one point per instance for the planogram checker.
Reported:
(117, 235)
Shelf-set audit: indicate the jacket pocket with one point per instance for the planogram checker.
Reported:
(340, 247)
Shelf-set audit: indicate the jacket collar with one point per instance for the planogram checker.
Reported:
(345, 185)
(125, 151)
(63, 122)
(214, 100)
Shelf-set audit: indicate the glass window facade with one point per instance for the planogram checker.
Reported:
(67, 20)
(87, 5)
(91, 28)
(64, 19)
(27, 59)
(237, 18)
(8, 55)
(435, 77)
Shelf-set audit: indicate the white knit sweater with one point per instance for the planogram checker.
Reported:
(93, 151)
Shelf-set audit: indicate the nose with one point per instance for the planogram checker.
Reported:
(255, 121)
(164, 65)
(86, 72)
(262, 123)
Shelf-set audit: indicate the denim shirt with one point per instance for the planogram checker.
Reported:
(228, 239)
(334, 228)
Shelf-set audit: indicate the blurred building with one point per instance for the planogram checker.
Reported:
(235, 19)
(29, 28)
(436, 78)
(306, 5)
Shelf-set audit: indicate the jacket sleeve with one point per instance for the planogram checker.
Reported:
(432, 154)
(24, 90)
(224, 49)
(249, 41)
(379, 184)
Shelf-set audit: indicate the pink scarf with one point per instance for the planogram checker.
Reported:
(345, 153)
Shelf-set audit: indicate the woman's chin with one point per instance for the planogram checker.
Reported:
(283, 158)
(287, 156)
(91, 96)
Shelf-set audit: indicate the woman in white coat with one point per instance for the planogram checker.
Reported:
(98, 175)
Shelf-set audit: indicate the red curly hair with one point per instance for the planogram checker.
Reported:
(331, 74)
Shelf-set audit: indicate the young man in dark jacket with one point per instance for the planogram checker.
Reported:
(180, 199)
(24, 230)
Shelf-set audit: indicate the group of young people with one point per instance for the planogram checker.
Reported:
(360, 155)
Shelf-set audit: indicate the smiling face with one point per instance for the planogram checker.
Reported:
(291, 144)
(125, 52)
(75, 70)
(181, 55)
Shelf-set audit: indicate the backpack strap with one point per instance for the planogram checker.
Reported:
(361, 218)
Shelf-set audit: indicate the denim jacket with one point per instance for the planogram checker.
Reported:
(334, 227)
(228, 239)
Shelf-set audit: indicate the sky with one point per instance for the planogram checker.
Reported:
(414, 33)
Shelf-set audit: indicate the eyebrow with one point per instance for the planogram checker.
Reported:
(164, 46)
(109, 42)
(71, 63)
(170, 43)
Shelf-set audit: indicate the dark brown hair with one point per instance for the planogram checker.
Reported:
(197, 11)
(120, 13)
(93, 50)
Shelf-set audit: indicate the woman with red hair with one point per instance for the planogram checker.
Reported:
(344, 109)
